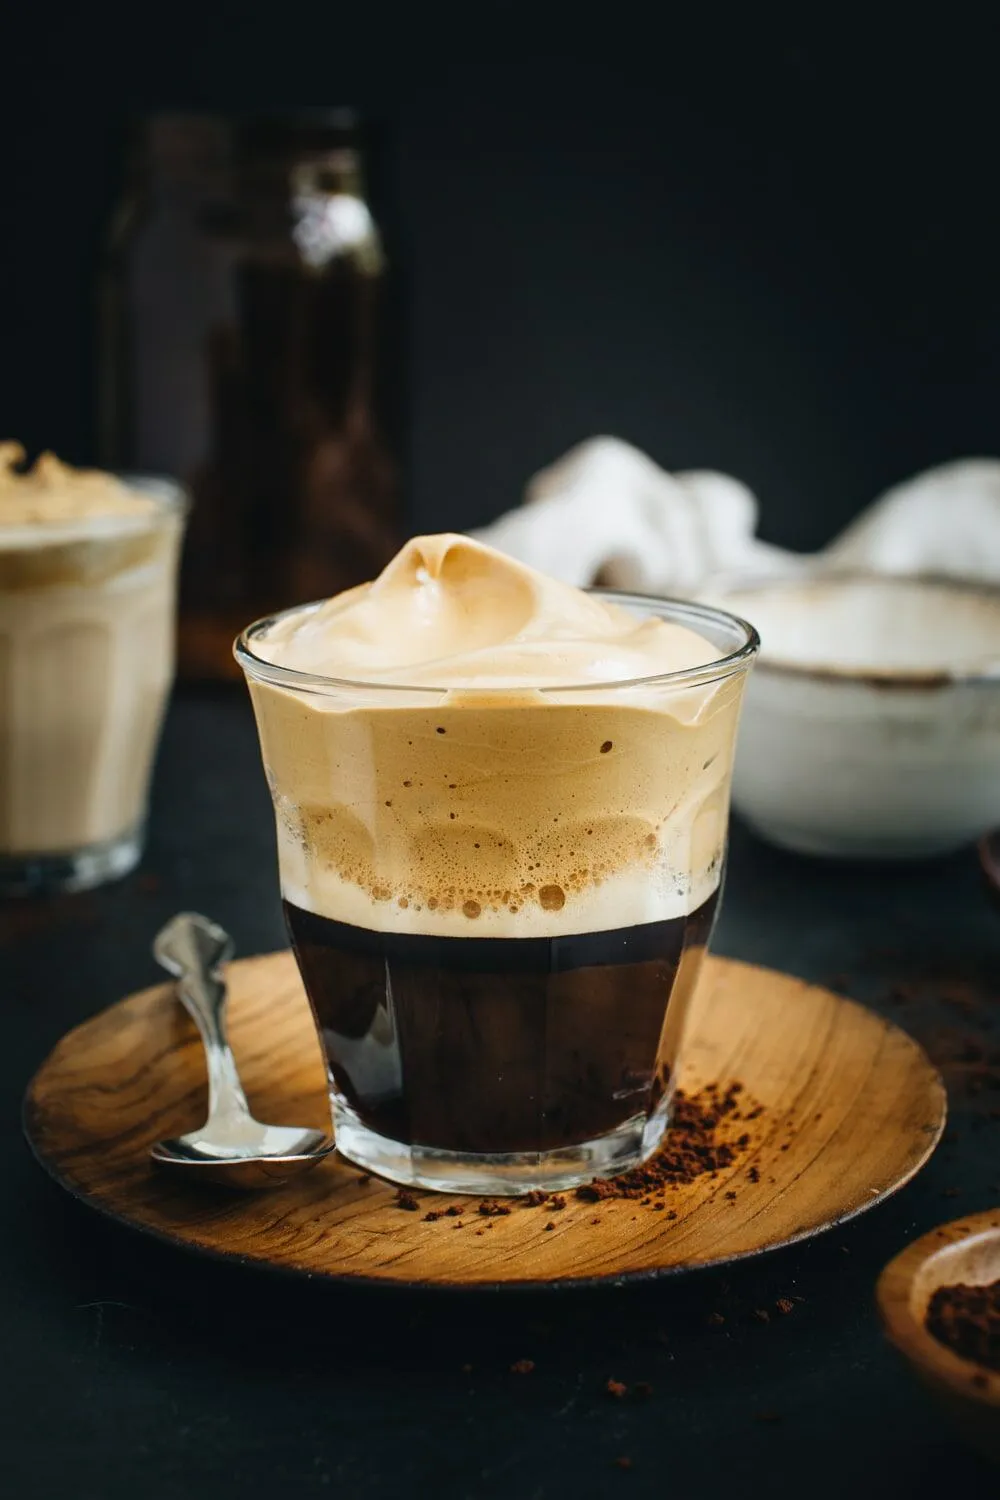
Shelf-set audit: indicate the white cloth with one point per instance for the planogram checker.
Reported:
(606, 513)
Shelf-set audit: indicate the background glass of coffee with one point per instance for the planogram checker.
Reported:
(88, 590)
(500, 901)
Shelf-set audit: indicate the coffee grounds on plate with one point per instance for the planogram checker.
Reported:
(691, 1149)
(696, 1144)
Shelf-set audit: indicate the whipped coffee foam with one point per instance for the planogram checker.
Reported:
(64, 525)
(469, 799)
(54, 498)
(450, 612)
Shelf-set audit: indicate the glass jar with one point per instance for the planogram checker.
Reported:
(250, 337)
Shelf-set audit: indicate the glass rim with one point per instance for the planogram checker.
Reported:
(170, 495)
(716, 670)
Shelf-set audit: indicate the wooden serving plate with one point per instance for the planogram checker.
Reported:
(851, 1110)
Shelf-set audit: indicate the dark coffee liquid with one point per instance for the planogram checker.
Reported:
(492, 1045)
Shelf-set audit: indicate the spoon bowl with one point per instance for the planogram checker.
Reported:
(966, 1250)
(231, 1147)
(277, 1154)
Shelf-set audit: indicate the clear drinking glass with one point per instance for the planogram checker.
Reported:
(87, 625)
(500, 901)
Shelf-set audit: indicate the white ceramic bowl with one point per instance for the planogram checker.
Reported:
(871, 727)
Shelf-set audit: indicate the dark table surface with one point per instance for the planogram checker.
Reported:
(136, 1370)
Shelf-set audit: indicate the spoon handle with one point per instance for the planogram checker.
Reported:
(194, 949)
(203, 996)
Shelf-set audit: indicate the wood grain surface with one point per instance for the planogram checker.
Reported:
(851, 1110)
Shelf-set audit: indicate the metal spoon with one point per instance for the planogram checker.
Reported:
(231, 1147)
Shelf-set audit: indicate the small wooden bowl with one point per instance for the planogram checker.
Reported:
(967, 1250)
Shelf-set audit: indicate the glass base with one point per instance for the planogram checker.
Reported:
(499, 1175)
(78, 870)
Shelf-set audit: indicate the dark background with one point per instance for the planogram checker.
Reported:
(775, 254)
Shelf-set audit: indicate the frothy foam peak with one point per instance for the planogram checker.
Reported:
(55, 495)
(453, 613)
